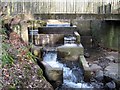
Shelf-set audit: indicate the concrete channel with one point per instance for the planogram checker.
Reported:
(68, 52)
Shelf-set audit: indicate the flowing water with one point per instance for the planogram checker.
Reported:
(72, 77)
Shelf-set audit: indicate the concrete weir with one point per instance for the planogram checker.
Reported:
(75, 52)
(69, 50)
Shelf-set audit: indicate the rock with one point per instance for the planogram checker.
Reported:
(87, 55)
(97, 85)
(112, 71)
(37, 51)
(95, 67)
(103, 62)
(95, 62)
(110, 85)
(115, 55)
(99, 75)
(111, 58)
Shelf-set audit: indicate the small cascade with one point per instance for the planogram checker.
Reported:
(51, 59)
(69, 40)
(72, 77)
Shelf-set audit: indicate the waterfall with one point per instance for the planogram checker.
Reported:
(72, 78)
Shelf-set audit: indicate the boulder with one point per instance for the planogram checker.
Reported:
(37, 51)
(110, 85)
(111, 58)
(95, 67)
(99, 75)
(112, 71)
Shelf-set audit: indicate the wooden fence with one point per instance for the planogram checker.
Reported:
(57, 6)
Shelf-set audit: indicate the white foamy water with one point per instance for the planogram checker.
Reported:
(55, 64)
(77, 85)
(51, 59)
(69, 79)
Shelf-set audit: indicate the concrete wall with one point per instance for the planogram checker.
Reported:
(84, 29)
(99, 32)
(106, 33)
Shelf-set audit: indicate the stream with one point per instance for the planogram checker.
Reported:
(72, 77)
(72, 73)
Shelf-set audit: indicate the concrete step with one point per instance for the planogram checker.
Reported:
(70, 52)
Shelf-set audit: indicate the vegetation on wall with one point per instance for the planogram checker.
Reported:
(19, 67)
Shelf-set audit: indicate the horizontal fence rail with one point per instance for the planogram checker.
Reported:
(61, 6)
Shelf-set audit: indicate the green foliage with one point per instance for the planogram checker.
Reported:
(3, 31)
(30, 56)
(12, 88)
(27, 66)
(40, 73)
(6, 57)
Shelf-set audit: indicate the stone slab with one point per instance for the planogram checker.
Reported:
(53, 73)
(86, 68)
(70, 51)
